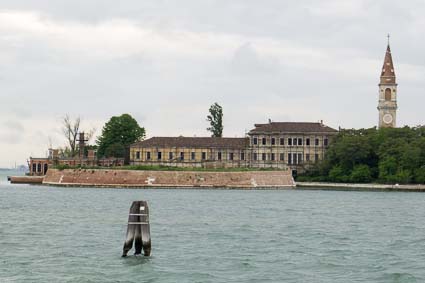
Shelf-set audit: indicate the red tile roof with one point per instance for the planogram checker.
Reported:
(292, 127)
(194, 142)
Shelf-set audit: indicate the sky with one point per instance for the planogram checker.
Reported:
(165, 62)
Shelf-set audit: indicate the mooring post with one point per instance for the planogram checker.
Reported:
(138, 229)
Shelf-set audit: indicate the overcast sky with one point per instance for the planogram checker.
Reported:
(166, 62)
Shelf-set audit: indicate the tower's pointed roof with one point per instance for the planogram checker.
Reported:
(388, 73)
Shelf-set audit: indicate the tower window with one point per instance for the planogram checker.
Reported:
(387, 94)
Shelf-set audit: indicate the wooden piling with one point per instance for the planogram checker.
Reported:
(138, 229)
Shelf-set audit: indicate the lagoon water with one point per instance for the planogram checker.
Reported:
(50, 234)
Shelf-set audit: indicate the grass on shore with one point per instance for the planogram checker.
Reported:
(167, 168)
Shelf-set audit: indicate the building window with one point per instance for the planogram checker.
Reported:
(34, 167)
(204, 155)
(325, 142)
(231, 156)
(316, 142)
(148, 155)
(282, 141)
(300, 141)
(137, 154)
(272, 157)
(242, 156)
(282, 156)
(264, 141)
(307, 141)
(219, 156)
(170, 155)
(289, 141)
(159, 155)
(316, 157)
(263, 156)
(289, 158)
(255, 141)
(307, 157)
(387, 94)
(39, 167)
(273, 141)
(181, 155)
(192, 156)
(300, 158)
(294, 158)
(255, 157)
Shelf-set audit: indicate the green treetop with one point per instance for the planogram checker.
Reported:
(117, 134)
(216, 120)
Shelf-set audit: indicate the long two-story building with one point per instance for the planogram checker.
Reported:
(271, 145)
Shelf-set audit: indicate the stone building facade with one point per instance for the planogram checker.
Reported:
(271, 145)
(191, 152)
(292, 144)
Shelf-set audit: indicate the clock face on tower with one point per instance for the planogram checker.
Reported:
(388, 118)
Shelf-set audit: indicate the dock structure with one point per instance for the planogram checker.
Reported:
(25, 179)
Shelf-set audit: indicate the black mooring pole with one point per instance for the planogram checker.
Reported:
(138, 229)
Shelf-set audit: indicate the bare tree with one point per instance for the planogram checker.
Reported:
(70, 130)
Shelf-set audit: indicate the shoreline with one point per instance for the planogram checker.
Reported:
(369, 187)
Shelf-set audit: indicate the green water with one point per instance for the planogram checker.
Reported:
(50, 234)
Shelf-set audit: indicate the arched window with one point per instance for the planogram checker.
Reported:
(45, 168)
(387, 94)
(39, 168)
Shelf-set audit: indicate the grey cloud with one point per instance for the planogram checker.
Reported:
(169, 90)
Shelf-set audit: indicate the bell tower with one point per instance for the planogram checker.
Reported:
(387, 105)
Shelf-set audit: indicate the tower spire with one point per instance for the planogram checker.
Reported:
(388, 73)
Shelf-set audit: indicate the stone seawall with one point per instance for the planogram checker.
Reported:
(168, 179)
(360, 187)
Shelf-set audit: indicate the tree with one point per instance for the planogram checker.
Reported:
(118, 134)
(388, 155)
(70, 130)
(216, 120)
(361, 174)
